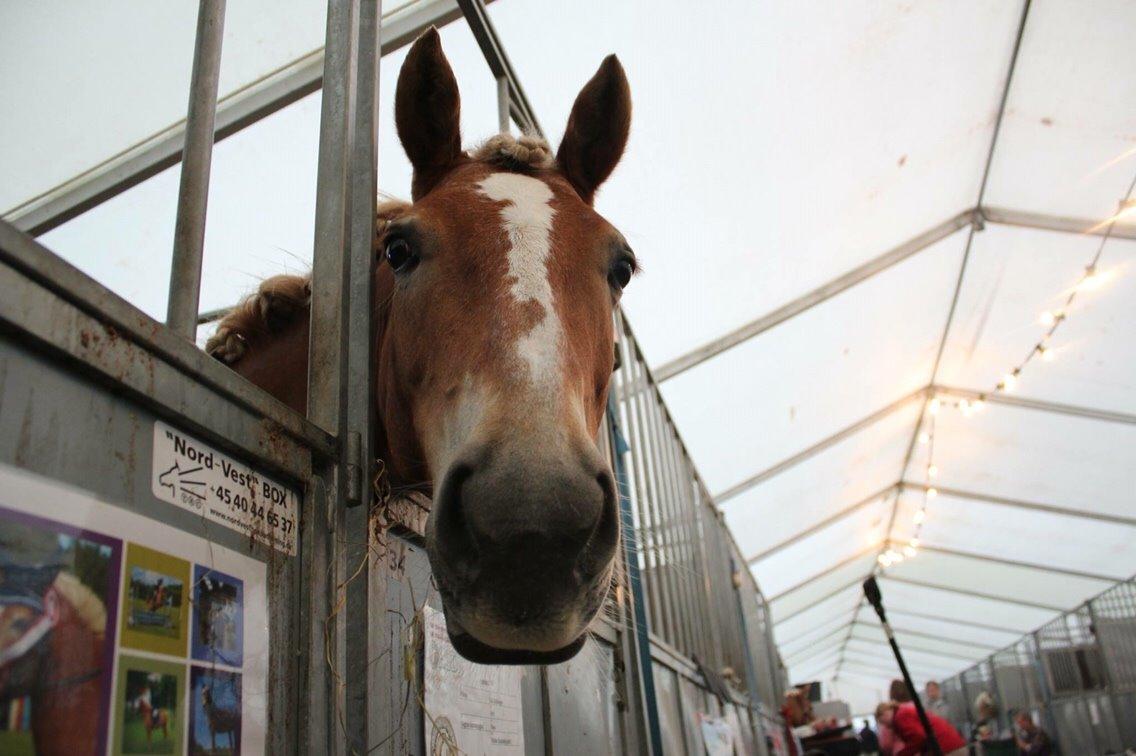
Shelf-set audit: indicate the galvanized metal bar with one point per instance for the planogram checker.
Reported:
(322, 728)
(1062, 224)
(660, 503)
(503, 102)
(364, 627)
(682, 509)
(640, 629)
(235, 112)
(976, 594)
(815, 297)
(820, 446)
(838, 623)
(1027, 505)
(875, 496)
(629, 390)
(925, 657)
(1017, 563)
(482, 27)
(71, 285)
(1022, 402)
(193, 190)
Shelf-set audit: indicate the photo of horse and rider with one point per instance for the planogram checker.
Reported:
(58, 586)
(148, 706)
(155, 614)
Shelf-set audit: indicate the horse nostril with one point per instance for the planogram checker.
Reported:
(451, 524)
(605, 534)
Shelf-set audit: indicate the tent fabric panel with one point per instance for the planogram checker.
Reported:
(981, 528)
(945, 628)
(1070, 107)
(823, 485)
(970, 608)
(777, 398)
(813, 555)
(1035, 456)
(1014, 275)
(997, 579)
(121, 86)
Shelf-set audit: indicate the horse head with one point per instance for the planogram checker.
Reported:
(494, 344)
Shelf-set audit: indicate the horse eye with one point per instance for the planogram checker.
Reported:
(399, 254)
(620, 274)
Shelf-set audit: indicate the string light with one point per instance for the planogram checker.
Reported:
(932, 493)
(924, 437)
(934, 406)
(1092, 278)
(920, 516)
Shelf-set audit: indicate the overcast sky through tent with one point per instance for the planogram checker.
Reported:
(775, 146)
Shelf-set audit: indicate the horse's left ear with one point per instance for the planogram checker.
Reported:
(597, 129)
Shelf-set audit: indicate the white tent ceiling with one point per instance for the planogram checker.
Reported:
(777, 148)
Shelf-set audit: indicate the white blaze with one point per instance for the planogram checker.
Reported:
(528, 222)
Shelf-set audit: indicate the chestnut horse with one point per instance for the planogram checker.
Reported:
(55, 654)
(493, 348)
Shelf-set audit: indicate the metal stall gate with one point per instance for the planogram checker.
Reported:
(1075, 675)
(235, 546)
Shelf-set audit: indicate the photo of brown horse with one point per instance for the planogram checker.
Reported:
(56, 643)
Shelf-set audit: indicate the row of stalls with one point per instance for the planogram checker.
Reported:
(1075, 675)
(295, 614)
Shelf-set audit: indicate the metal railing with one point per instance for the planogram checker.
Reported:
(1076, 674)
(699, 596)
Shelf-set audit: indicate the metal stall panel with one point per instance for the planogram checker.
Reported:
(670, 709)
(81, 398)
(583, 714)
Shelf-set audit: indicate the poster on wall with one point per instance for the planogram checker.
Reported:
(120, 634)
(470, 708)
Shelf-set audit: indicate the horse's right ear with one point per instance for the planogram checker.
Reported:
(427, 112)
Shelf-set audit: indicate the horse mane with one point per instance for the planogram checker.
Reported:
(515, 153)
(278, 301)
(87, 605)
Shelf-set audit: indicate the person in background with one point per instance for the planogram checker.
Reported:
(869, 743)
(986, 727)
(889, 742)
(935, 702)
(900, 714)
(1031, 739)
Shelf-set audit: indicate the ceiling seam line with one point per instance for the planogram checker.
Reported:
(962, 272)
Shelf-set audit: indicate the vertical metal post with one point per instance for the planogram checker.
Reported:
(193, 191)
(323, 724)
(366, 633)
(503, 104)
(642, 637)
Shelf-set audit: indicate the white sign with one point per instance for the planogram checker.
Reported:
(471, 708)
(717, 735)
(199, 478)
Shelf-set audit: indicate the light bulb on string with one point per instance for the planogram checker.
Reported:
(1050, 318)
(932, 471)
(920, 516)
(924, 437)
(909, 551)
(934, 406)
(964, 407)
(1046, 353)
(932, 493)
(978, 404)
(914, 543)
(1009, 381)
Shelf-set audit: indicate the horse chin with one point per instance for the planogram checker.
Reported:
(513, 651)
(475, 651)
